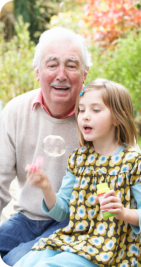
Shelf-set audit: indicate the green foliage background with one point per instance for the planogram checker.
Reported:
(16, 70)
(121, 64)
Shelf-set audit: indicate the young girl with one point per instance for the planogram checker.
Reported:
(107, 137)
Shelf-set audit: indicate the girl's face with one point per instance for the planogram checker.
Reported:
(94, 118)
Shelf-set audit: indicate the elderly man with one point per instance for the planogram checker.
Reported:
(61, 63)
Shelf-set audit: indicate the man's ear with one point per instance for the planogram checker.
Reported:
(85, 74)
(37, 74)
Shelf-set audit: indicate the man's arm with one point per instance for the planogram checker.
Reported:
(7, 158)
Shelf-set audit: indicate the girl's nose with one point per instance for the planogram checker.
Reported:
(86, 115)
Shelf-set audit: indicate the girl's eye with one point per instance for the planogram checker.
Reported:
(81, 110)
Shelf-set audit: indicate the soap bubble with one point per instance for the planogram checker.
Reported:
(54, 145)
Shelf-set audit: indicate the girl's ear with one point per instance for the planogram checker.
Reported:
(116, 123)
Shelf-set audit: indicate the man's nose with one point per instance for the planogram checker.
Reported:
(61, 75)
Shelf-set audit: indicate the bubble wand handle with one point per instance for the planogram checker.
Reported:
(39, 162)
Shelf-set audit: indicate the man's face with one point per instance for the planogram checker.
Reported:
(61, 76)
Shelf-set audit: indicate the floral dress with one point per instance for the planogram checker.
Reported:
(106, 242)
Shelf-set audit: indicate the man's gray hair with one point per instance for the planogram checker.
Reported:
(62, 34)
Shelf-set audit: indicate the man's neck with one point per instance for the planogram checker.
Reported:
(61, 112)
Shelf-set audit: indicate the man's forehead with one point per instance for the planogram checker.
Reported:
(62, 50)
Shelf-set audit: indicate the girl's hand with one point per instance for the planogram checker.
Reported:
(113, 204)
(36, 177)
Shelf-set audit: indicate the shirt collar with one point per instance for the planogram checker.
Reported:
(39, 100)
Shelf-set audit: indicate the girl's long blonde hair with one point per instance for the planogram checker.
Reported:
(118, 100)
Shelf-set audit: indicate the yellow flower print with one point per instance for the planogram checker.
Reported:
(90, 200)
(91, 250)
(124, 264)
(127, 192)
(91, 228)
(81, 253)
(97, 241)
(125, 168)
(72, 211)
(81, 213)
(111, 164)
(81, 197)
(135, 262)
(68, 239)
(104, 257)
(125, 227)
(121, 180)
(91, 150)
(83, 150)
(101, 228)
(84, 182)
(113, 171)
(91, 213)
(93, 185)
(120, 194)
(109, 244)
(78, 245)
(68, 228)
(90, 160)
(80, 160)
(116, 159)
(130, 156)
(97, 163)
(81, 226)
(133, 250)
(71, 160)
(111, 231)
(112, 262)
(82, 238)
(127, 205)
(74, 197)
(122, 253)
(77, 183)
(133, 236)
(123, 239)
(103, 160)
(67, 249)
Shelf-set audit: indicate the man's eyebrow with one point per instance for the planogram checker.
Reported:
(72, 59)
(51, 58)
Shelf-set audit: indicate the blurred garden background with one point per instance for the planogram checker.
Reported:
(112, 29)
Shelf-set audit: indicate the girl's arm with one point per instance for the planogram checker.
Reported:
(136, 191)
(60, 211)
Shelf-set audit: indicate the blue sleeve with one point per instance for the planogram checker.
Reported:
(60, 211)
(136, 191)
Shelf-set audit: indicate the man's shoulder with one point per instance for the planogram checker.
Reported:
(29, 96)
(20, 103)
(25, 98)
